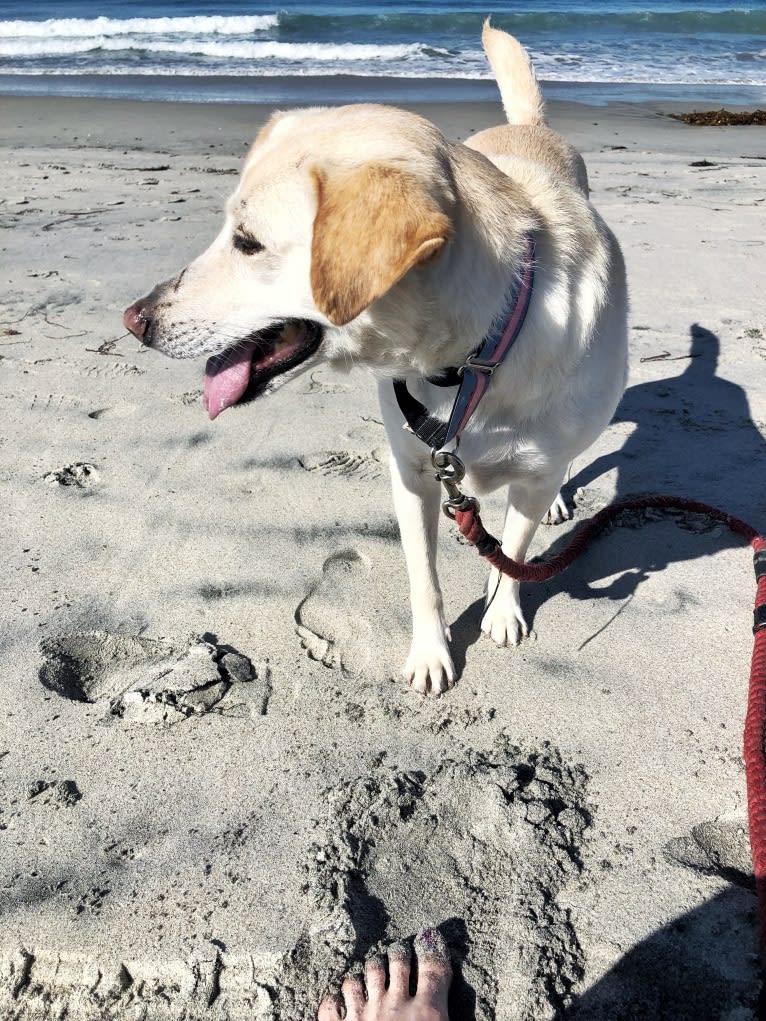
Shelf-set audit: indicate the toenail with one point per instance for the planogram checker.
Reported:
(431, 943)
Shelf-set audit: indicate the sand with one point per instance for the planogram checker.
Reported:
(215, 791)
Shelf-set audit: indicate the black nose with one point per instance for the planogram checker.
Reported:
(137, 318)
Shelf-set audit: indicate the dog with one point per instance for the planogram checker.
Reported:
(361, 235)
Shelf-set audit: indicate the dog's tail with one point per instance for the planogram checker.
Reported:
(519, 91)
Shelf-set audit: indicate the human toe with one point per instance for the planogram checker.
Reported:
(434, 969)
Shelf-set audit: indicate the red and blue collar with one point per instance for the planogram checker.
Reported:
(472, 377)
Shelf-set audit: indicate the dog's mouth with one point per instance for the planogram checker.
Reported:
(242, 370)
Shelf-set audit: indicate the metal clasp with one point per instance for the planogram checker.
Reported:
(450, 471)
(475, 364)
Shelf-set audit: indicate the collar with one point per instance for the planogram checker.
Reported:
(472, 377)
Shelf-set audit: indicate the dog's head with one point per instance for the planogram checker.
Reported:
(333, 210)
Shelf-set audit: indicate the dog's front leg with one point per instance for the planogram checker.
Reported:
(503, 620)
(416, 501)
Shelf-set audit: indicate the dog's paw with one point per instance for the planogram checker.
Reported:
(504, 623)
(429, 669)
(558, 512)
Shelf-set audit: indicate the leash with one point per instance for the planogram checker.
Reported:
(464, 510)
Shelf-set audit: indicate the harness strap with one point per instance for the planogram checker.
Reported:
(473, 376)
(427, 427)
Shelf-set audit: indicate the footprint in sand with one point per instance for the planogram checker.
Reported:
(54, 402)
(144, 680)
(330, 620)
(58, 793)
(80, 475)
(113, 371)
(344, 464)
(480, 847)
(191, 397)
(718, 847)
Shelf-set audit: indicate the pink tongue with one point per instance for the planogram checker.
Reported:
(226, 379)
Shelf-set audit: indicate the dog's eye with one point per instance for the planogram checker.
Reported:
(246, 243)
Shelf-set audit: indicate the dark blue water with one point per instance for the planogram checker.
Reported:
(687, 46)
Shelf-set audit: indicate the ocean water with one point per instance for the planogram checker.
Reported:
(189, 49)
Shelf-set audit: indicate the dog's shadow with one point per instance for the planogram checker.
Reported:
(694, 437)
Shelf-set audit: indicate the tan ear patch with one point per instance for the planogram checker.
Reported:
(373, 224)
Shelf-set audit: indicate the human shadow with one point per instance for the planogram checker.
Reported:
(700, 967)
(694, 437)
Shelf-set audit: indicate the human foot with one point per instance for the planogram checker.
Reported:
(393, 1002)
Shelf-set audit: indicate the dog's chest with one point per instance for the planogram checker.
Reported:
(502, 458)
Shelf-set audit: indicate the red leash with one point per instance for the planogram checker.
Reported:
(469, 523)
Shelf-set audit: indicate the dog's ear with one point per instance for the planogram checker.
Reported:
(373, 224)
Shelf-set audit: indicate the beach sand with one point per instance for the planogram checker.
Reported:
(215, 790)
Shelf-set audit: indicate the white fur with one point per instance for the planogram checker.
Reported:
(519, 91)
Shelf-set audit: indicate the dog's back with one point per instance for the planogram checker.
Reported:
(526, 134)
